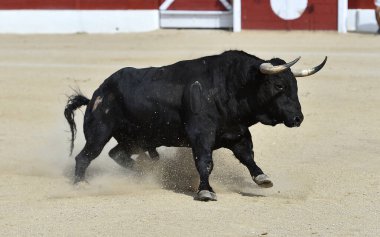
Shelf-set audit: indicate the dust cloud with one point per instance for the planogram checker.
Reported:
(175, 171)
(49, 161)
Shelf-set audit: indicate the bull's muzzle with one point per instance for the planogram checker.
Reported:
(294, 121)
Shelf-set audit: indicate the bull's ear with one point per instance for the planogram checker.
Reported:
(269, 69)
(310, 71)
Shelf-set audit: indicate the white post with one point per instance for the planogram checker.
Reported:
(342, 16)
(236, 15)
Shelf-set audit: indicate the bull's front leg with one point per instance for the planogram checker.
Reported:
(205, 165)
(200, 129)
(243, 150)
(202, 143)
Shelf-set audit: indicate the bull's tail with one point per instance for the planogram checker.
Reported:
(74, 102)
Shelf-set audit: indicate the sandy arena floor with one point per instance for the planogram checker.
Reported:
(326, 173)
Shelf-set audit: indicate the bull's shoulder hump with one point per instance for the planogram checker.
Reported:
(134, 74)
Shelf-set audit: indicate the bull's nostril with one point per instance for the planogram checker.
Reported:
(297, 119)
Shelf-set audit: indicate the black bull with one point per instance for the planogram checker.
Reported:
(205, 104)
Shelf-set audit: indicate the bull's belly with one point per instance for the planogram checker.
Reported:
(147, 136)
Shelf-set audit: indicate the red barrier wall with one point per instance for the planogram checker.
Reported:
(110, 4)
(361, 4)
(319, 15)
(80, 4)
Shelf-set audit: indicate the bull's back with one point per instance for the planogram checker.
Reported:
(147, 95)
(148, 105)
(150, 101)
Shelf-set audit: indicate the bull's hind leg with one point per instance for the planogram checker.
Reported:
(153, 154)
(121, 156)
(96, 138)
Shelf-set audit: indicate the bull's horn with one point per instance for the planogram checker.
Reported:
(310, 71)
(268, 68)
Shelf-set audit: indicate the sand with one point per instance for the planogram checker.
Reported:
(326, 173)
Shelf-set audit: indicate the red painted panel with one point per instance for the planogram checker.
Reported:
(361, 4)
(206, 5)
(79, 4)
(37, 4)
(118, 4)
(319, 15)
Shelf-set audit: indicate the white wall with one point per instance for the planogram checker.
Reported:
(73, 21)
(362, 20)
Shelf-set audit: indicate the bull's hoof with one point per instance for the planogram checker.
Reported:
(154, 155)
(78, 180)
(128, 163)
(81, 184)
(263, 181)
(155, 158)
(205, 195)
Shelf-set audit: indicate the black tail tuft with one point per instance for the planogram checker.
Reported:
(75, 101)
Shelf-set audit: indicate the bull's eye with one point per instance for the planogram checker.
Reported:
(279, 87)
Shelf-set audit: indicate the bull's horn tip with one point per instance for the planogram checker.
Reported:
(297, 59)
(324, 61)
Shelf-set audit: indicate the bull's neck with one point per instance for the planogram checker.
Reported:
(241, 88)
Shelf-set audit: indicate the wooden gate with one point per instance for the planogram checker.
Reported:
(196, 14)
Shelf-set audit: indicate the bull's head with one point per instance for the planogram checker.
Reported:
(277, 92)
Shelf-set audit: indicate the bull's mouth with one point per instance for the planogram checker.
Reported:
(292, 124)
(264, 119)
(275, 122)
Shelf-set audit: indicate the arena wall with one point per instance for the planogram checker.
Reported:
(111, 16)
